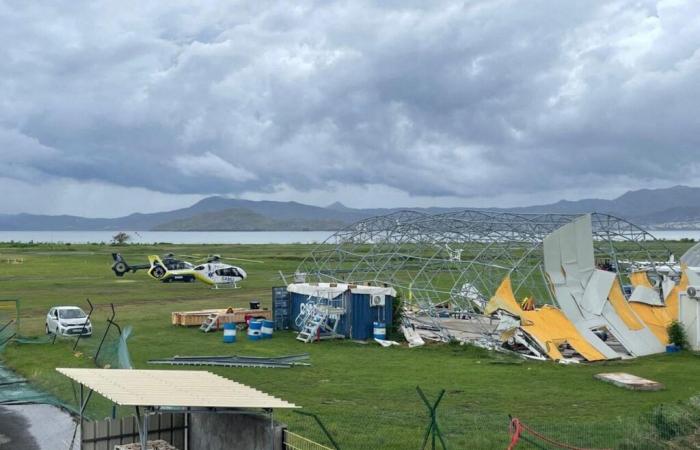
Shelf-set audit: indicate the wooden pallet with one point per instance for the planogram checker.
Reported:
(150, 445)
(229, 315)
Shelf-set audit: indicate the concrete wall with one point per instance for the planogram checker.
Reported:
(234, 432)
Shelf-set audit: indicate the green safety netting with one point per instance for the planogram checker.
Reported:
(15, 390)
(107, 348)
(114, 353)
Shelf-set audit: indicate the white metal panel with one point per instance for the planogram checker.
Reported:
(689, 317)
(644, 294)
(596, 294)
(575, 243)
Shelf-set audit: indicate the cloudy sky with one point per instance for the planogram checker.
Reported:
(111, 107)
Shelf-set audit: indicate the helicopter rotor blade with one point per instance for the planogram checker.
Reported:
(243, 259)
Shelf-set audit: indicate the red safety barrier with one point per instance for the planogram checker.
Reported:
(516, 429)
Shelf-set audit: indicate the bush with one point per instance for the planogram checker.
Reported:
(677, 335)
(396, 316)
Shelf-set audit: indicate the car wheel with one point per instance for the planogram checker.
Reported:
(47, 329)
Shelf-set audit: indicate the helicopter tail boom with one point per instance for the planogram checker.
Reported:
(120, 267)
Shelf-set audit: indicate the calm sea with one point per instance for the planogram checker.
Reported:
(172, 237)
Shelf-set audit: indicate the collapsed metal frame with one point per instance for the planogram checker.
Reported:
(452, 263)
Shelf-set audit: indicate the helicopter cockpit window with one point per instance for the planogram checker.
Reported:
(199, 268)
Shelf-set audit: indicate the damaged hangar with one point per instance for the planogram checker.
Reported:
(547, 286)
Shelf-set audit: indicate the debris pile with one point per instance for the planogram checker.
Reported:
(276, 362)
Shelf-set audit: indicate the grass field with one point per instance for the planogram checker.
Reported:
(364, 392)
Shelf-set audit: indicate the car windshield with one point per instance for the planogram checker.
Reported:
(71, 314)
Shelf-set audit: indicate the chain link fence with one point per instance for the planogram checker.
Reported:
(675, 426)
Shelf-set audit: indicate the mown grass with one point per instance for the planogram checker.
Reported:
(364, 392)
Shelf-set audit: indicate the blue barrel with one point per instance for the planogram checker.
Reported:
(266, 330)
(380, 330)
(229, 333)
(254, 329)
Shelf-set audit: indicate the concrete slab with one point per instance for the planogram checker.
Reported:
(13, 431)
(44, 427)
(629, 381)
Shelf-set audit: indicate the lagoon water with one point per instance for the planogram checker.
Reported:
(221, 237)
(172, 237)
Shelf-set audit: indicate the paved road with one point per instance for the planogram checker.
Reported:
(36, 427)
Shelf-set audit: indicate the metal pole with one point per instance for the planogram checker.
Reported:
(80, 407)
(82, 330)
(272, 431)
(144, 431)
(109, 321)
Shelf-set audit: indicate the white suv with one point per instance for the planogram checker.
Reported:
(68, 321)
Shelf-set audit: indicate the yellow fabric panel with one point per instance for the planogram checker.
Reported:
(548, 325)
(504, 299)
(655, 317)
(658, 318)
(671, 300)
(622, 307)
(551, 328)
(640, 279)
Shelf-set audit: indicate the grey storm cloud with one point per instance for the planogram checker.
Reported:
(439, 98)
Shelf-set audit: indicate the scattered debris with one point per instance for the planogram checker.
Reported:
(411, 335)
(629, 381)
(385, 343)
(283, 362)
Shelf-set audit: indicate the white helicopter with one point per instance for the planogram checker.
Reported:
(213, 272)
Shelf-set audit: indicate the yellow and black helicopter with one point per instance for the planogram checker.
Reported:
(213, 271)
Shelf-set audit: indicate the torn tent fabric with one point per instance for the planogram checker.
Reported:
(548, 326)
(657, 317)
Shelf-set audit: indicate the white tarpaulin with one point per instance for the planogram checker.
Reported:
(332, 290)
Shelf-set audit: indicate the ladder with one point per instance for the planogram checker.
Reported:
(210, 323)
(307, 310)
(312, 324)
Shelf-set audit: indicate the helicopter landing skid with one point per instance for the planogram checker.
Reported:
(226, 286)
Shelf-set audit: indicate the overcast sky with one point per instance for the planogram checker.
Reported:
(112, 107)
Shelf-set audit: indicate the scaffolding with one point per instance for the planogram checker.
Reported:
(446, 266)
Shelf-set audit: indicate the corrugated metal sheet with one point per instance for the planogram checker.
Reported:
(182, 388)
(363, 316)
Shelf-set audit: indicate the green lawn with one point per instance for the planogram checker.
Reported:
(365, 393)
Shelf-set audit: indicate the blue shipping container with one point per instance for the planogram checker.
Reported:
(358, 321)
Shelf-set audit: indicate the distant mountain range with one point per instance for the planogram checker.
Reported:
(671, 208)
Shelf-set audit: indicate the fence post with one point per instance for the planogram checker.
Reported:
(433, 429)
